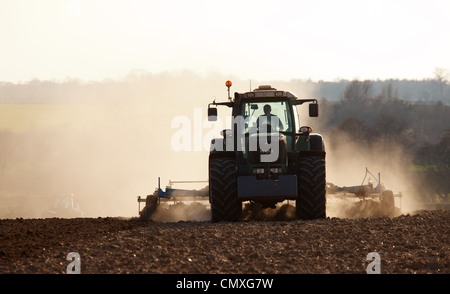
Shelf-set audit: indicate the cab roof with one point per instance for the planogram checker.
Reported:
(266, 91)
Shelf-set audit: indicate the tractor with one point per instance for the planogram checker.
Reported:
(266, 156)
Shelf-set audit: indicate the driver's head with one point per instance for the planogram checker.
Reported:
(267, 109)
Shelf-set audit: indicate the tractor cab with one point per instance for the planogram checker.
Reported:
(265, 121)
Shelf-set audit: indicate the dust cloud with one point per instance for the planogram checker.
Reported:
(182, 211)
(347, 161)
(108, 142)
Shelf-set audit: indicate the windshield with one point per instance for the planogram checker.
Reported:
(257, 113)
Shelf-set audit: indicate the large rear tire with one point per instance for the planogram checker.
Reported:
(225, 205)
(311, 201)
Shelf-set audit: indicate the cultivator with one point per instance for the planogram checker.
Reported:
(363, 192)
(170, 196)
(377, 192)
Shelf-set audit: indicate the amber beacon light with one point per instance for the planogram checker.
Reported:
(228, 84)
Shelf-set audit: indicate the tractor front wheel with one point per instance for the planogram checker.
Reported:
(311, 201)
(225, 206)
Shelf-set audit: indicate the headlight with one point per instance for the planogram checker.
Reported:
(258, 170)
(305, 130)
(276, 170)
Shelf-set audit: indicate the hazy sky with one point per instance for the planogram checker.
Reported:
(259, 40)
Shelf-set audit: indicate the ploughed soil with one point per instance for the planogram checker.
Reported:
(410, 243)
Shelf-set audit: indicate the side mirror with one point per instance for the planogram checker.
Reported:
(313, 110)
(212, 114)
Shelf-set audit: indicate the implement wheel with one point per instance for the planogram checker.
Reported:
(151, 203)
(388, 202)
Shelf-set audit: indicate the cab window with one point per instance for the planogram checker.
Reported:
(256, 113)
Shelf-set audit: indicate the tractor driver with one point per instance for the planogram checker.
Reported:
(267, 118)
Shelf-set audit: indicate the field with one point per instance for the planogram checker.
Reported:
(411, 243)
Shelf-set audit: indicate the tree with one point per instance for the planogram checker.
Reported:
(357, 91)
(355, 128)
(388, 93)
(441, 75)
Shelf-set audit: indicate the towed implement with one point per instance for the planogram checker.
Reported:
(378, 194)
(369, 191)
(170, 195)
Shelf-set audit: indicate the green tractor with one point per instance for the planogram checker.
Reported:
(266, 157)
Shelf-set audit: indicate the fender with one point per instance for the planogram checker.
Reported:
(316, 142)
(316, 147)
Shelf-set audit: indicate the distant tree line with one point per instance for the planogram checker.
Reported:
(381, 120)
(426, 90)
(383, 114)
(75, 91)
